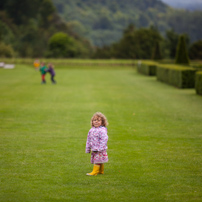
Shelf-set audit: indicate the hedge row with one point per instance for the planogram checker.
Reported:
(178, 76)
(198, 83)
(147, 68)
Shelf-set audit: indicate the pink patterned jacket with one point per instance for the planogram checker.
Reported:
(97, 139)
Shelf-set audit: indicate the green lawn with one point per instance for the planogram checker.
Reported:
(155, 137)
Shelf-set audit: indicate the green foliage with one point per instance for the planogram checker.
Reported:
(38, 9)
(6, 34)
(198, 83)
(178, 76)
(171, 40)
(181, 53)
(146, 68)
(157, 55)
(135, 44)
(195, 50)
(183, 21)
(6, 51)
(104, 21)
(21, 11)
(77, 27)
(29, 27)
(103, 53)
(61, 45)
(111, 17)
(46, 10)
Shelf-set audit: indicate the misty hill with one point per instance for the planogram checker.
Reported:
(103, 21)
(185, 4)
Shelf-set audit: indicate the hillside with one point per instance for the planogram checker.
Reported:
(102, 22)
(25, 29)
(185, 4)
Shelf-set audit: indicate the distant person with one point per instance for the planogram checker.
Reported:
(52, 72)
(96, 143)
(36, 64)
(43, 69)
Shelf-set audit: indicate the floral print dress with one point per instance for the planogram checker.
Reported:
(97, 141)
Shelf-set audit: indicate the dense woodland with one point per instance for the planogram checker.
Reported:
(96, 29)
(26, 28)
(103, 21)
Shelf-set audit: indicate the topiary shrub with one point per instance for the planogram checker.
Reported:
(178, 76)
(157, 55)
(181, 53)
(147, 68)
(198, 83)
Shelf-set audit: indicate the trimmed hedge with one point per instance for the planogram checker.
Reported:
(178, 76)
(198, 83)
(198, 67)
(147, 68)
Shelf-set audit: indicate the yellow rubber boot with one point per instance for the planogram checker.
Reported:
(96, 170)
(102, 168)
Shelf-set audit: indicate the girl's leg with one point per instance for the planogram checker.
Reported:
(52, 79)
(101, 168)
(43, 78)
(96, 170)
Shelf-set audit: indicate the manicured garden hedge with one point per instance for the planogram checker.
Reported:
(198, 83)
(147, 68)
(178, 76)
(198, 67)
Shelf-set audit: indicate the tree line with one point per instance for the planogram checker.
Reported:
(26, 28)
(103, 21)
(148, 43)
(36, 30)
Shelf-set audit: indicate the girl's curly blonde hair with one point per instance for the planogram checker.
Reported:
(103, 118)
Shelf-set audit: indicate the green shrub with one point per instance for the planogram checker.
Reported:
(61, 45)
(195, 51)
(157, 55)
(178, 76)
(6, 51)
(146, 68)
(198, 83)
(198, 67)
(181, 53)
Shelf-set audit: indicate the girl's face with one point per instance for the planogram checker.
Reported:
(97, 122)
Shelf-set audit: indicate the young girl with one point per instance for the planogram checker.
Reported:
(43, 70)
(36, 64)
(52, 72)
(97, 143)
